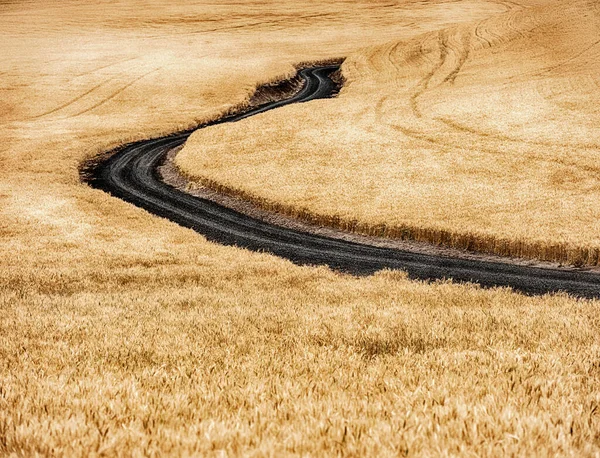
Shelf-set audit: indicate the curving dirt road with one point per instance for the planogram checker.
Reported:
(132, 175)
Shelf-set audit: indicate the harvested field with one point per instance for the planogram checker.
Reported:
(124, 334)
(481, 136)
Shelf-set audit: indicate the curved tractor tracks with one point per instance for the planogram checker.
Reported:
(132, 175)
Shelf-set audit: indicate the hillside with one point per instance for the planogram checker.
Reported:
(122, 334)
(480, 136)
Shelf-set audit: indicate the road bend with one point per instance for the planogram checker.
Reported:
(132, 175)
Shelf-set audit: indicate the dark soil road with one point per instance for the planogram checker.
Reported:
(132, 174)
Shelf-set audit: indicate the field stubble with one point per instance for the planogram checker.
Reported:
(124, 334)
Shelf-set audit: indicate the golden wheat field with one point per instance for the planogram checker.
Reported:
(481, 136)
(122, 334)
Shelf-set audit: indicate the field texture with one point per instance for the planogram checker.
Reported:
(124, 334)
(480, 136)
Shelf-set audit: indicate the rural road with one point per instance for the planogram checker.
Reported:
(132, 175)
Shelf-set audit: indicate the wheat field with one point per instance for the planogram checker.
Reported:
(122, 334)
(480, 136)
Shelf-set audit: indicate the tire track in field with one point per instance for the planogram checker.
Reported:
(455, 45)
(423, 84)
(72, 101)
(480, 34)
(568, 61)
(89, 72)
(115, 94)
(89, 92)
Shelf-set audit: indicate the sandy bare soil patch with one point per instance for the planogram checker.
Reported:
(124, 334)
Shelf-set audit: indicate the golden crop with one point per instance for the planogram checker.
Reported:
(124, 334)
(480, 136)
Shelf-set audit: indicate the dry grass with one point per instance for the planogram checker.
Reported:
(480, 136)
(124, 334)
(198, 362)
